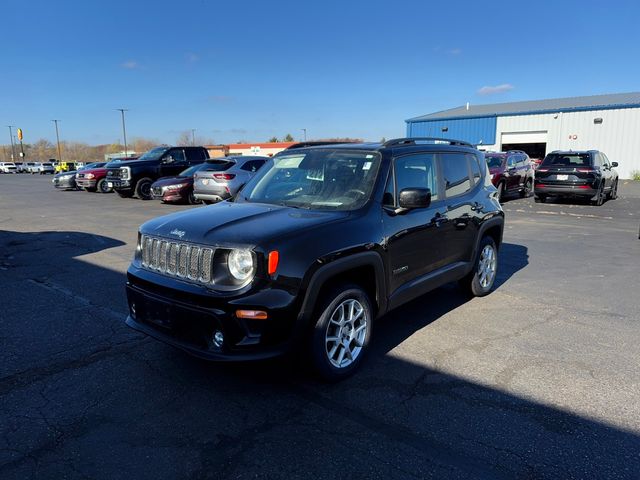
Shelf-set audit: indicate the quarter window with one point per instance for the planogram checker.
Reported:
(475, 168)
(455, 171)
(417, 171)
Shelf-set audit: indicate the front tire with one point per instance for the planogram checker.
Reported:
(500, 191)
(192, 200)
(143, 189)
(341, 335)
(102, 186)
(481, 279)
(613, 194)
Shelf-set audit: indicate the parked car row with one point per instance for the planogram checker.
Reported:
(569, 174)
(27, 167)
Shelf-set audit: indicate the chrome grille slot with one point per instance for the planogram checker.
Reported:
(177, 259)
(162, 259)
(172, 261)
(154, 253)
(205, 265)
(194, 263)
(183, 254)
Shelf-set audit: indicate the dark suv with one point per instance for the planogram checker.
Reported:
(319, 243)
(136, 176)
(584, 174)
(511, 172)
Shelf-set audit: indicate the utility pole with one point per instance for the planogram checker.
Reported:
(13, 150)
(193, 137)
(58, 141)
(124, 129)
(305, 133)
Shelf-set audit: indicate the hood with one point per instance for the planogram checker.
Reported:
(95, 171)
(241, 224)
(164, 181)
(62, 174)
(130, 163)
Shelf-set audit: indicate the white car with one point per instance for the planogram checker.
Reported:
(8, 167)
(41, 168)
(24, 168)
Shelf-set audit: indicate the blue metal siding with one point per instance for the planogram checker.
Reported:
(477, 131)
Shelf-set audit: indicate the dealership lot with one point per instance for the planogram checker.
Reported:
(537, 380)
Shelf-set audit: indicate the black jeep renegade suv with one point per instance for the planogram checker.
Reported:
(136, 176)
(320, 243)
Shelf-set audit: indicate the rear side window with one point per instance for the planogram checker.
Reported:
(217, 165)
(252, 165)
(455, 170)
(417, 171)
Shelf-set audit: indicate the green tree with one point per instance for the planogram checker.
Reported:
(274, 140)
(288, 138)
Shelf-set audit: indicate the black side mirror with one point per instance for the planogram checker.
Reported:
(614, 164)
(411, 198)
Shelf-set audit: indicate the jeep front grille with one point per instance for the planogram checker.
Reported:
(177, 259)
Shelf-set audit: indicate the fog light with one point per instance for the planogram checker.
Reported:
(218, 338)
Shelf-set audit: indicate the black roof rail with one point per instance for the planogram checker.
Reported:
(413, 140)
(316, 143)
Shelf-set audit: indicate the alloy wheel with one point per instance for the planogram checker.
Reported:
(346, 333)
(487, 266)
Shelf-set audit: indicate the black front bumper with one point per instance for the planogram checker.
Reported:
(183, 321)
(119, 184)
(64, 184)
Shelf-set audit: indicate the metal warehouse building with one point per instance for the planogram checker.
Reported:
(610, 123)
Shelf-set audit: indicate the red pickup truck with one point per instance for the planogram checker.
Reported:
(92, 177)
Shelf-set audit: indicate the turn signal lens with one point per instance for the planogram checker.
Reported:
(251, 314)
(274, 257)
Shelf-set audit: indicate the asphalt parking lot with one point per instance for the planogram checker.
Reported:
(538, 380)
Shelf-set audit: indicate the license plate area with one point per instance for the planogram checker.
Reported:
(562, 177)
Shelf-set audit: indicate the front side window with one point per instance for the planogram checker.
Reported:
(416, 171)
(455, 171)
(317, 179)
(177, 155)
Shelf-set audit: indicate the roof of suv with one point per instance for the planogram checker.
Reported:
(397, 142)
(573, 152)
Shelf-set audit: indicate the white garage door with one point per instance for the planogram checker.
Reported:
(509, 138)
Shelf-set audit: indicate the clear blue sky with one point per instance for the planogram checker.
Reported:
(253, 69)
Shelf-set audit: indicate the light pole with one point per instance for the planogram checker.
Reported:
(13, 151)
(193, 137)
(58, 141)
(124, 130)
(305, 133)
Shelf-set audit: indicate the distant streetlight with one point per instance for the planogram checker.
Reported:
(193, 137)
(124, 130)
(305, 134)
(58, 141)
(13, 150)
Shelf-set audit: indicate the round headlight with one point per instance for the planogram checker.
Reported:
(240, 263)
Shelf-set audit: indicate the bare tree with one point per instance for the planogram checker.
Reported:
(186, 139)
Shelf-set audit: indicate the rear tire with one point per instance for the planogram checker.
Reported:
(342, 331)
(599, 200)
(192, 200)
(481, 279)
(540, 199)
(526, 191)
(143, 189)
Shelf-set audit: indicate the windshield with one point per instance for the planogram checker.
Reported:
(46, 165)
(567, 160)
(154, 153)
(493, 161)
(92, 165)
(190, 171)
(317, 179)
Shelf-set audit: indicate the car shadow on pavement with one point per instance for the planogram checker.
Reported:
(83, 396)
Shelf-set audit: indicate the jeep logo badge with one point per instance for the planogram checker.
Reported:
(177, 233)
